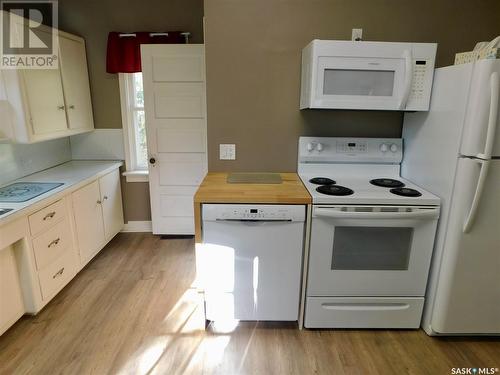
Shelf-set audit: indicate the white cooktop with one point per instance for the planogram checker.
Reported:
(352, 163)
(365, 193)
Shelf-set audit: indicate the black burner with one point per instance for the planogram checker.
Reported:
(387, 182)
(322, 181)
(406, 192)
(334, 190)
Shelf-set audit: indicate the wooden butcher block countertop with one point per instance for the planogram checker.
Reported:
(216, 189)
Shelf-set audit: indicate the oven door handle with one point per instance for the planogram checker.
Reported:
(424, 214)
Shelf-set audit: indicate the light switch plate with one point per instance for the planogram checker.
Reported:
(357, 34)
(227, 151)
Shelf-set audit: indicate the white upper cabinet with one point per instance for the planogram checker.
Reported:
(43, 104)
(75, 78)
(46, 112)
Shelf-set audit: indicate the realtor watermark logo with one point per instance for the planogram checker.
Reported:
(474, 370)
(28, 40)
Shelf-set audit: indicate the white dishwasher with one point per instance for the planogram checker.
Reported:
(250, 262)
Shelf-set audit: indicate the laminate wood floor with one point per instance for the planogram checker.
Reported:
(133, 310)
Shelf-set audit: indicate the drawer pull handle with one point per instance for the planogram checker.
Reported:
(99, 202)
(54, 243)
(366, 306)
(50, 215)
(105, 197)
(58, 273)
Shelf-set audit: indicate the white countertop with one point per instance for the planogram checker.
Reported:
(73, 174)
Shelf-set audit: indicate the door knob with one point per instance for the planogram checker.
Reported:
(152, 160)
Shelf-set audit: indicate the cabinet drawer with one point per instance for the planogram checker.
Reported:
(56, 275)
(47, 216)
(50, 245)
(361, 312)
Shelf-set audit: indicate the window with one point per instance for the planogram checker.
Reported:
(134, 126)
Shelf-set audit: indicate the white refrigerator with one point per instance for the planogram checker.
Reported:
(454, 151)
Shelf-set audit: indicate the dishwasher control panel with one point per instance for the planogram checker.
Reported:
(258, 212)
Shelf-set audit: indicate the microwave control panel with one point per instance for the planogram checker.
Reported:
(420, 68)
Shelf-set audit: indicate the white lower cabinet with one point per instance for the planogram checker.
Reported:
(88, 220)
(11, 300)
(98, 214)
(57, 274)
(111, 198)
(54, 251)
(41, 252)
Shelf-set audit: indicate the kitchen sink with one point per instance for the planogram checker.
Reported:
(4, 210)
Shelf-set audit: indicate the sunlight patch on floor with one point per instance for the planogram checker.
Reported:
(209, 354)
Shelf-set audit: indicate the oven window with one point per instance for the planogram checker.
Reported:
(358, 82)
(371, 248)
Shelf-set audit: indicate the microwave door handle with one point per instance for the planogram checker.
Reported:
(325, 212)
(493, 117)
(471, 216)
(408, 79)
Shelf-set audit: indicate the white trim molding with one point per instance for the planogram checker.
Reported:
(138, 226)
(136, 176)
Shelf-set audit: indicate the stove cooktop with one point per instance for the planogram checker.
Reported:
(360, 190)
(24, 191)
(387, 182)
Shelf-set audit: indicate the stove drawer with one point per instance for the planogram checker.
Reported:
(56, 275)
(48, 246)
(47, 216)
(361, 312)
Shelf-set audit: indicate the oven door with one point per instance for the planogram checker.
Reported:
(363, 82)
(370, 251)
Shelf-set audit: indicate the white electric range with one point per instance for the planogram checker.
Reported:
(372, 235)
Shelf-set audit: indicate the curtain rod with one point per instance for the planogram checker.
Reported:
(185, 34)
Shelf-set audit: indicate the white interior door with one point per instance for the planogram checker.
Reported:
(175, 107)
(468, 293)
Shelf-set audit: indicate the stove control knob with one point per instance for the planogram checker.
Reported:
(384, 147)
(394, 147)
(310, 147)
(319, 147)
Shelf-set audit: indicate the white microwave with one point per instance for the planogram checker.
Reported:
(367, 75)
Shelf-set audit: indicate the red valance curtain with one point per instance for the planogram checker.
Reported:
(124, 49)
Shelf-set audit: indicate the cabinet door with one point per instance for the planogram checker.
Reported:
(88, 220)
(111, 197)
(45, 99)
(75, 78)
(11, 301)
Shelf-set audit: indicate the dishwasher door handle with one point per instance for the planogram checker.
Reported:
(251, 221)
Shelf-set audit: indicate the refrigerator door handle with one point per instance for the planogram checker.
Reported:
(469, 221)
(493, 117)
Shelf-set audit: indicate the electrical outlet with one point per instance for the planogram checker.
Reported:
(357, 34)
(227, 151)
